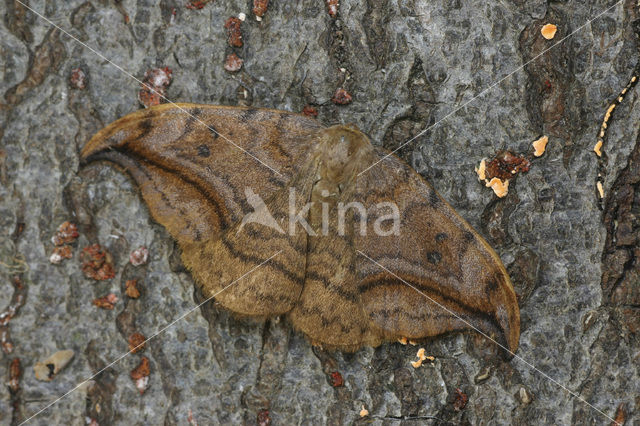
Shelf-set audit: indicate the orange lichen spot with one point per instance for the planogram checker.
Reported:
(364, 412)
(540, 145)
(607, 115)
(481, 169)
(500, 187)
(598, 148)
(600, 189)
(402, 340)
(421, 357)
(548, 31)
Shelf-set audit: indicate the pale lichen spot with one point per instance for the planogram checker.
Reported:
(548, 31)
(500, 188)
(597, 148)
(540, 145)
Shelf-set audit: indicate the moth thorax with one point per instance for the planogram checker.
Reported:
(344, 149)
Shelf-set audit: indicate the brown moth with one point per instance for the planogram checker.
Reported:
(326, 276)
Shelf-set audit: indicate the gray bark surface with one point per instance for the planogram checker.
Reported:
(409, 64)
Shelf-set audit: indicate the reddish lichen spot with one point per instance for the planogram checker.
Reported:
(140, 375)
(106, 302)
(263, 418)
(97, 263)
(139, 256)
(332, 7)
(191, 419)
(342, 97)
(5, 342)
(260, 7)
(621, 415)
(196, 5)
(78, 79)
(233, 63)
(17, 301)
(336, 379)
(131, 289)
(14, 376)
(136, 342)
(60, 253)
(505, 165)
(154, 86)
(460, 400)
(66, 234)
(234, 32)
(310, 111)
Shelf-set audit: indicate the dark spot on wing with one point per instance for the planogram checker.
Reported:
(203, 151)
(434, 257)
(214, 132)
(145, 127)
(492, 285)
(440, 237)
(468, 236)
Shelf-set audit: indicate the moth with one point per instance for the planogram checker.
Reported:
(360, 255)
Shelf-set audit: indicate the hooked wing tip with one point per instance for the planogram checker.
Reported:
(508, 315)
(109, 137)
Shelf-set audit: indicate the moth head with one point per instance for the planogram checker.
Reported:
(344, 151)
